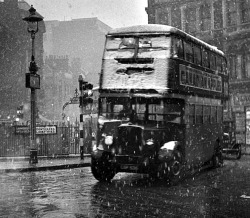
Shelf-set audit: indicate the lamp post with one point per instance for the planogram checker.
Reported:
(33, 81)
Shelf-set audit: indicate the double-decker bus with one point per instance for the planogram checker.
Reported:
(161, 102)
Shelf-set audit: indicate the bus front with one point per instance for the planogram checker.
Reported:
(139, 118)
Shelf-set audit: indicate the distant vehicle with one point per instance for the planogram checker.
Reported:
(229, 140)
(161, 99)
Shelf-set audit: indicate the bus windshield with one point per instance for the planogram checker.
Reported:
(142, 110)
(142, 42)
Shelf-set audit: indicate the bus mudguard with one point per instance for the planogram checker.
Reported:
(97, 152)
(167, 149)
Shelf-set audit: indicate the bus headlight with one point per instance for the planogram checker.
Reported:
(101, 121)
(94, 147)
(108, 140)
(150, 142)
(113, 151)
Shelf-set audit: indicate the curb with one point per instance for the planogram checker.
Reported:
(45, 168)
(26, 158)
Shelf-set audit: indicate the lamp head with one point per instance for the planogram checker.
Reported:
(33, 20)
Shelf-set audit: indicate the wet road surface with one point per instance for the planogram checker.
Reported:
(219, 192)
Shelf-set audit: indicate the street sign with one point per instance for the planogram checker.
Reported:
(46, 130)
(40, 130)
(3, 121)
(22, 130)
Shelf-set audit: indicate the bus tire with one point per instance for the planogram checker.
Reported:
(238, 153)
(102, 169)
(217, 160)
(176, 168)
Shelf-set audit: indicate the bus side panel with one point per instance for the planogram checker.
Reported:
(200, 142)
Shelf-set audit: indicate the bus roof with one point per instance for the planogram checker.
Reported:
(149, 29)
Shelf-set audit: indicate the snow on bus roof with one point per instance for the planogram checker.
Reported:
(160, 29)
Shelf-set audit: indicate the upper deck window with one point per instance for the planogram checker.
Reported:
(197, 55)
(212, 62)
(218, 64)
(205, 58)
(143, 42)
(178, 51)
(224, 66)
(189, 55)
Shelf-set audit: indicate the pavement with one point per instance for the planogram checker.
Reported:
(21, 164)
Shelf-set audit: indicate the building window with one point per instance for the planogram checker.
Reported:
(218, 15)
(246, 66)
(205, 17)
(236, 66)
(231, 12)
(162, 16)
(239, 67)
(245, 11)
(190, 26)
(232, 67)
(175, 17)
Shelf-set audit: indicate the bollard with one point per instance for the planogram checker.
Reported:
(33, 156)
(81, 152)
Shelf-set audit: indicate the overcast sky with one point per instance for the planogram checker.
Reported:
(115, 13)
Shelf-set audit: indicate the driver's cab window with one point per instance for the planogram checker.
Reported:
(140, 110)
(115, 108)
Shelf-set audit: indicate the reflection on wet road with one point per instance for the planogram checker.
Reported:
(75, 193)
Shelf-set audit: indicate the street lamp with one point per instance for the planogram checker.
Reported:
(33, 81)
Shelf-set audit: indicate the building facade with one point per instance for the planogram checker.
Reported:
(82, 40)
(71, 48)
(15, 56)
(58, 85)
(222, 23)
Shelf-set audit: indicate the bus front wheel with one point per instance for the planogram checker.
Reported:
(172, 170)
(176, 168)
(102, 169)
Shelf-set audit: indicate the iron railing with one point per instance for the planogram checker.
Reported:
(64, 142)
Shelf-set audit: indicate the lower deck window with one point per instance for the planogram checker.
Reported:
(143, 110)
(203, 114)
